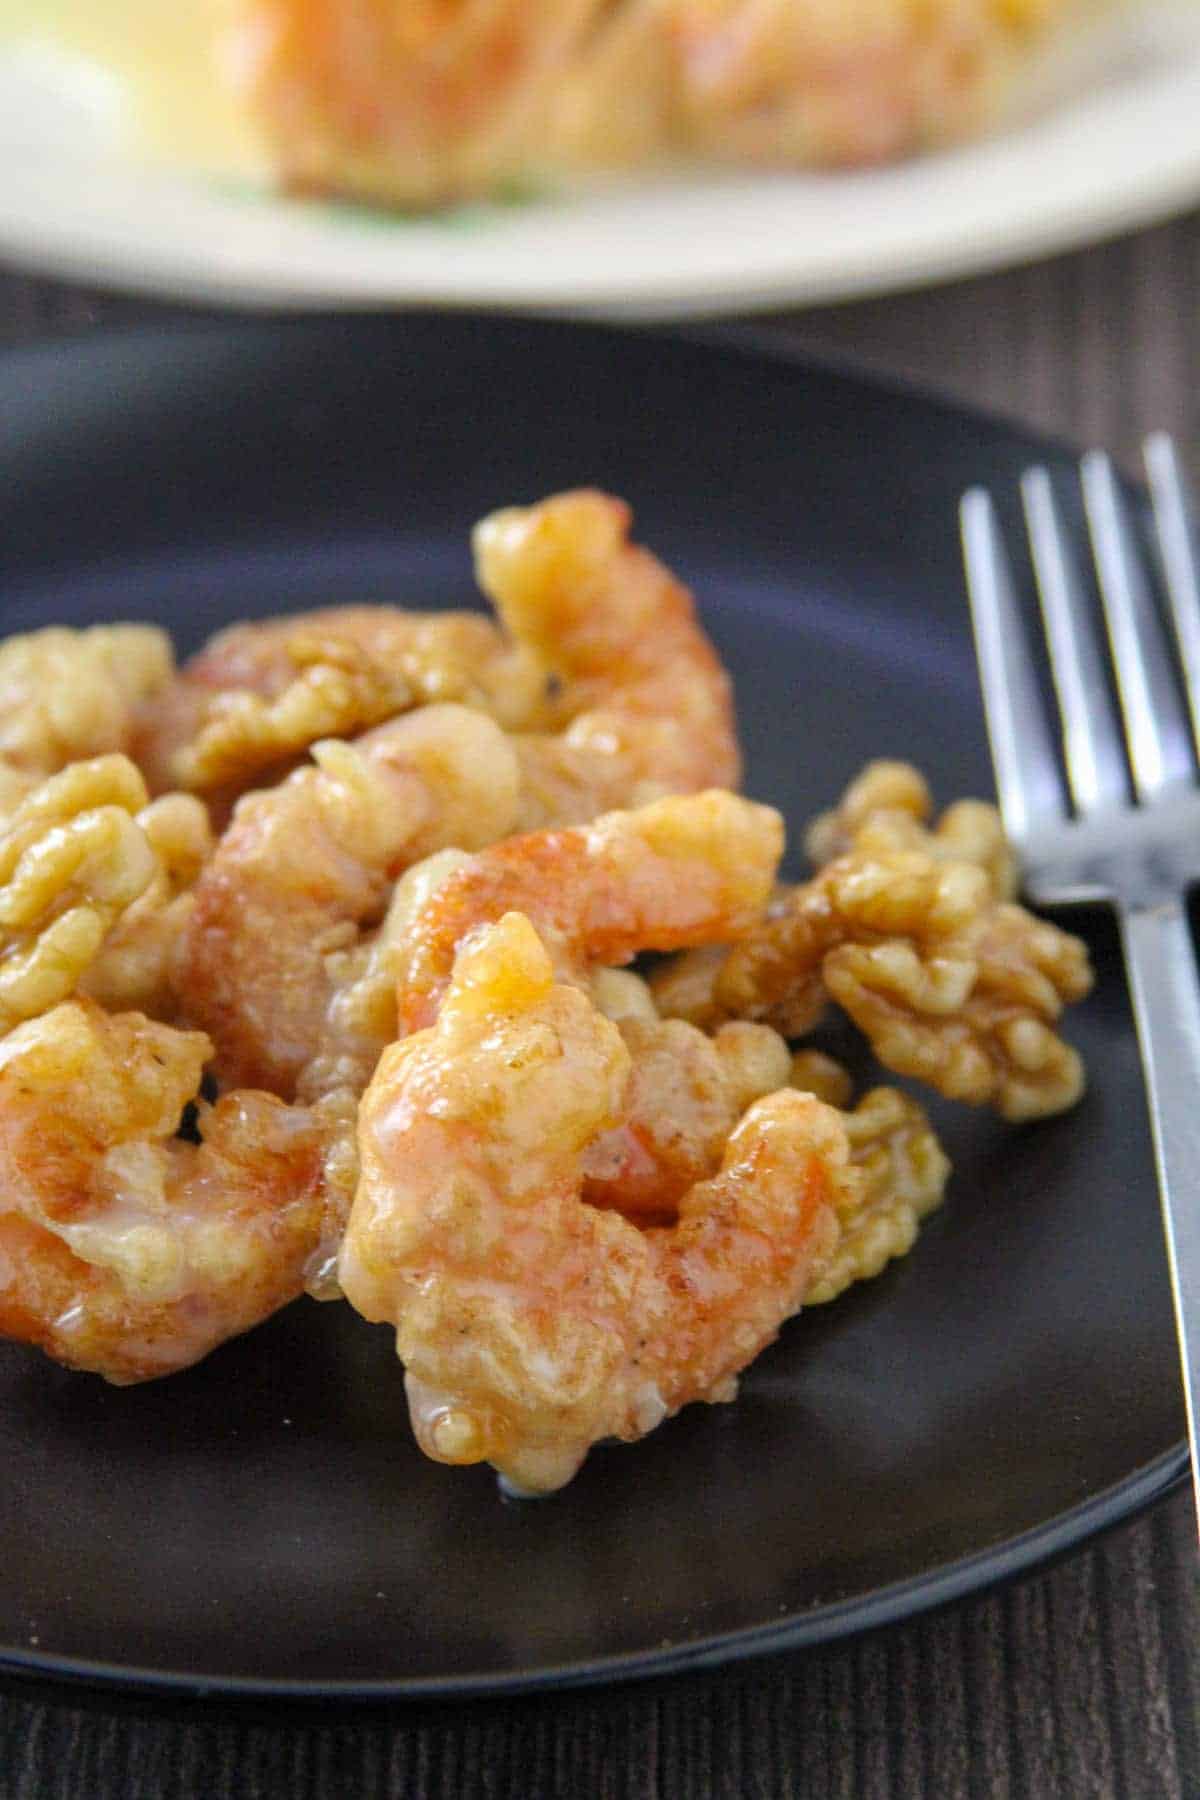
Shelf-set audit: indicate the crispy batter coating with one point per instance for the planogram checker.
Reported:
(530, 1323)
(889, 807)
(72, 861)
(644, 707)
(901, 1172)
(686, 870)
(815, 1073)
(259, 695)
(620, 994)
(337, 692)
(442, 99)
(306, 867)
(603, 674)
(686, 1092)
(123, 1249)
(685, 1095)
(361, 1019)
(67, 695)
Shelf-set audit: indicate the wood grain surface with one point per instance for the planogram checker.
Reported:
(1081, 1682)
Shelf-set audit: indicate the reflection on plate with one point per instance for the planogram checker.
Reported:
(264, 1520)
(76, 199)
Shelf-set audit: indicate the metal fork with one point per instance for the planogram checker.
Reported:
(1133, 837)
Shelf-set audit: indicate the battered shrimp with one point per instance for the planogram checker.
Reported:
(414, 104)
(686, 1093)
(439, 99)
(123, 1249)
(306, 867)
(644, 707)
(530, 1323)
(259, 694)
(685, 870)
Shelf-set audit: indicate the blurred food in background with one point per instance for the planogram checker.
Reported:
(436, 99)
(415, 103)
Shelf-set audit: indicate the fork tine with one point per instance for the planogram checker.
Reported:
(1156, 728)
(1172, 525)
(1091, 735)
(1027, 779)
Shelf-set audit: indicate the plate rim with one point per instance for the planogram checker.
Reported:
(894, 1604)
(89, 244)
(891, 1604)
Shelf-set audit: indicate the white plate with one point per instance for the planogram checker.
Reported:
(1124, 151)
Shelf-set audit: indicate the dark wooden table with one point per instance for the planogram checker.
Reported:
(1082, 1682)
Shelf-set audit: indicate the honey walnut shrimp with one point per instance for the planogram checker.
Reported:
(530, 1323)
(696, 1185)
(123, 1249)
(258, 695)
(686, 1093)
(602, 674)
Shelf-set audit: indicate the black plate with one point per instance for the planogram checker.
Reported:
(264, 1522)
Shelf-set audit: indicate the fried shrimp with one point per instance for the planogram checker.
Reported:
(602, 673)
(530, 1323)
(67, 695)
(686, 1093)
(643, 707)
(949, 984)
(258, 695)
(428, 102)
(123, 1249)
(305, 868)
(685, 870)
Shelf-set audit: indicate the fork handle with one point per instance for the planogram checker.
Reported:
(1165, 991)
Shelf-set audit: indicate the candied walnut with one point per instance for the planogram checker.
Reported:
(67, 695)
(994, 1043)
(338, 691)
(14, 785)
(134, 968)
(72, 859)
(815, 1073)
(901, 1172)
(260, 694)
(889, 807)
(949, 985)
